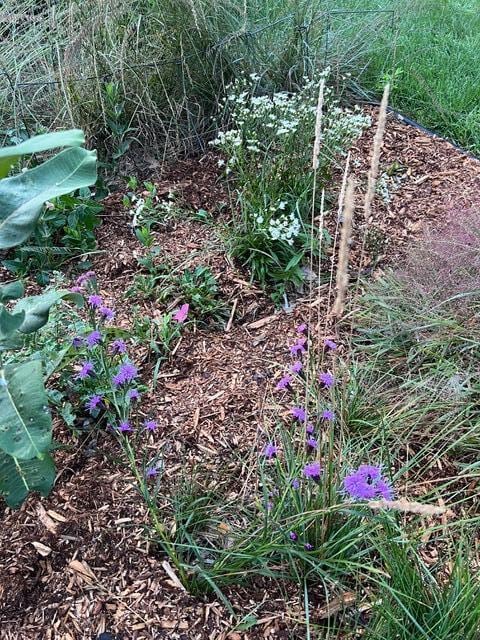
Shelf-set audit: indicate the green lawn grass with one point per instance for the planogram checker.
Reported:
(433, 61)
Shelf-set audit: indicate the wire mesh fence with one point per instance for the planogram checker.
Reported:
(54, 74)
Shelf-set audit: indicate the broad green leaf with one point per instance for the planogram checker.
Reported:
(19, 477)
(37, 308)
(10, 322)
(11, 291)
(22, 196)
(25, 421)
(44, 142)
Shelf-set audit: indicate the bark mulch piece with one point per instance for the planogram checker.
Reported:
(78, 564)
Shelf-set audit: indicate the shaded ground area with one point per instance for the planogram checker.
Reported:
(78, 563)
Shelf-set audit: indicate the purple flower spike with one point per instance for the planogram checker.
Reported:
(151, 472)
(328, 415)
(270, 451)
(126, 373)
(293, 536)
(94, 403)
(299, 413)
(119, 346)
(327, 379)
(133, 394)
(367, 483)
(95, 301)
(76, 289)
(150, 425)
(313, 471)
(330, 344)
(296, 367)
(298, 347)
(125, 426)
(85, 371)
(181, 315)
(308, 547)
(284, 383)
(302, 328)
(81, 280)
(77, 342)
(106, 313)
(295, 483)
(312, 443)
(93, 339)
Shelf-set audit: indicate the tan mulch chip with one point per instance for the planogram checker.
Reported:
(78, 564)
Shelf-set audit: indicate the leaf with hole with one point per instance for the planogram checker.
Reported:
(19, 477)
(25, 421)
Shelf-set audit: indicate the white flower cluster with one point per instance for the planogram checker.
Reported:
(273, 124)
(284, 227)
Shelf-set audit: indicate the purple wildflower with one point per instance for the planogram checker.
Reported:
(133, 394)
(296, 367)
(269, 505)
(106, 313)
(298, 347)
(284, 383)
(293, 536)
(308, 547)
(85, 371)
(76, 289)
(181, 315)
(82, 279)
(327, 379)
(270, 451)
(95, 301)
(330, 344)
(93, 403)
(125, 426)
(93, 339)
(299, 413)
(150, 425)
(126, 373)
(310, 428)
(77, 342)
(328, 415)
(367, 483)
(302, 328)
(313, 470)
(295, 483)
(151, 472)
(312, 443)
(119, 346)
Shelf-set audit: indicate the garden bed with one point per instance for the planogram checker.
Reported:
(77, 564)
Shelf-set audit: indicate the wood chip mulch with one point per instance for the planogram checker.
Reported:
(77, 564)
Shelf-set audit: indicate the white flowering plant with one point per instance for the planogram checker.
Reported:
(267, 149)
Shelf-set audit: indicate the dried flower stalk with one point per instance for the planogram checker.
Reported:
(410, 507)
(344, 249)
(375, 160)
(318, 125)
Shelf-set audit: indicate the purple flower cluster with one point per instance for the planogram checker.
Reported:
(367, 483)
(126, 373)
(86, 370)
